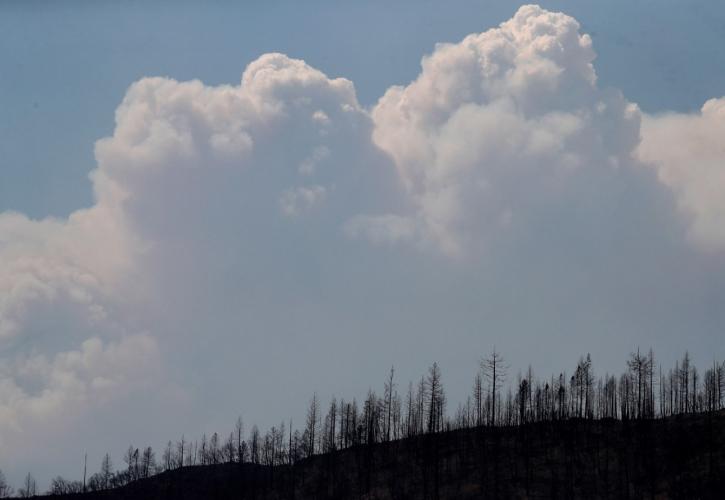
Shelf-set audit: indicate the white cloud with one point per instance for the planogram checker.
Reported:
(183, 154)
(295, 201)
(36, 389)
(310, 164)
(688, 153)
(178, 143)
(499, 122)
(188, 174)
(78, 262)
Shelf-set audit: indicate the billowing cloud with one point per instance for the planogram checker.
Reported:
(184, 157)
(76, 262)
(190, 173)
(688, 153)
(287, 134)
(35, 388)
(499, 123)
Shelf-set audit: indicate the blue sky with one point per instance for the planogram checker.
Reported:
(237, 258)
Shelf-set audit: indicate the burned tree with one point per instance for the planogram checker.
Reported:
(494, 371)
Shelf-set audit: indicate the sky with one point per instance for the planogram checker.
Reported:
(207, 212)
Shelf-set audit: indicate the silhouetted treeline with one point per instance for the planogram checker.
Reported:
(497, 406)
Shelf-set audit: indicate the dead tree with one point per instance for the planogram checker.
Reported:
(494, 371)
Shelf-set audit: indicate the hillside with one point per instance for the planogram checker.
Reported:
(675, 457)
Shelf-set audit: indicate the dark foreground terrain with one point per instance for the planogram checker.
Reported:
(677, 457)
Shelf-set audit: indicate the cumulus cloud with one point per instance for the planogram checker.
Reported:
(188, 174)
(36, 388)
(76, 263)
(502, 121)
(688, 154)
(184, 157)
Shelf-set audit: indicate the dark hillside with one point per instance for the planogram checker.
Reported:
(674, 457)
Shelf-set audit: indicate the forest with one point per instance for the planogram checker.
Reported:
(649, 431)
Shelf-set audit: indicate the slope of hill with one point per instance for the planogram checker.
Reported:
(676, 457)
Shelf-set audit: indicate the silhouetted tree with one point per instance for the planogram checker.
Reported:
(168, 456)
(436, 399)
(5, 490)
(684, 383)
(229, 448)
(495, 372)
(106, 472)
(214, 451)
(478, 397)
(254, 445)
(148, 462)
(131, 458)
(180, 452)
(640, 368)
(371, 421)
(312, 420)
(389, 388)
(410, 411)
(522, 399)
(61, 486)
(239, 431)
(330, 427)
(29, 488)
(630, 395)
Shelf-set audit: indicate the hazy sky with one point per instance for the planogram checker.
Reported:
(258, 227)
